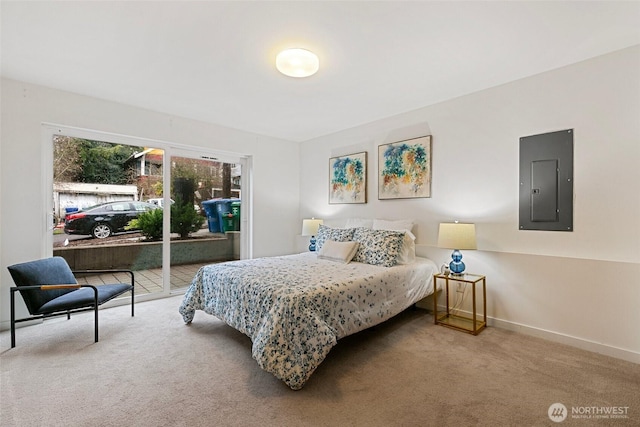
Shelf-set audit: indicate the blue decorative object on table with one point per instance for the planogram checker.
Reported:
(456, 265)
(312, 244)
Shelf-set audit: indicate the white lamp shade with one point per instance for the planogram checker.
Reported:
(457, 236)
(310, 226)
(297, 62)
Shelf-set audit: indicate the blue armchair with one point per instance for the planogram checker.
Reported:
(49, 288)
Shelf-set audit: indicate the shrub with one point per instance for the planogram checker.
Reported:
(184, 219)
(149, 223)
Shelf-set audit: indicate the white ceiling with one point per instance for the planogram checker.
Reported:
(214, 61)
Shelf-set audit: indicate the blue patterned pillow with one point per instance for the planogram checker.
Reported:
(336, 234)
(378, 247)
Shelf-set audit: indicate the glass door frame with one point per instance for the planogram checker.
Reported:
(49, 130)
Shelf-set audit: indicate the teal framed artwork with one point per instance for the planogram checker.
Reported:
(404, 169)
(348, 179)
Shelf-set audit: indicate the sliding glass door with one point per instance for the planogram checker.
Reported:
(159, 210)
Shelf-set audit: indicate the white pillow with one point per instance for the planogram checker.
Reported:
(359, 222)
(397, 225)
(408, 253)
(338, 251)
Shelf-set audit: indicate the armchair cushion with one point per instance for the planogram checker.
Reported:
(83, 297)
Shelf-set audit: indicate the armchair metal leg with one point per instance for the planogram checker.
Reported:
(13, 319)
(96, 323)
(95, 305)
(133, 286)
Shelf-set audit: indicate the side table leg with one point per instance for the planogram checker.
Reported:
(435, 300)
(475, 314)
(484, 300)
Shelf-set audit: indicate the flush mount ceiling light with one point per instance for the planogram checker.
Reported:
(297, 62)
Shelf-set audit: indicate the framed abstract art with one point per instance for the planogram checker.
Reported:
(348, 178)
(404, 169)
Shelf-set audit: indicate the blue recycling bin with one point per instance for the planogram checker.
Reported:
(222, 214)
(70, 209)
(213, 219)
(223, 207)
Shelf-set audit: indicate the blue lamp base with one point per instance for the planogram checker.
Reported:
(456, 265)
(312, 244)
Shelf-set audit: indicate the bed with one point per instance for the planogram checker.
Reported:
(295, 308)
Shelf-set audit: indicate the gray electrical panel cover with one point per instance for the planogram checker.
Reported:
(546, 181)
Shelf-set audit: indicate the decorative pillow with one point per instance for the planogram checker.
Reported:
(408, 253)
(338, 251)
(378, 247)
(358, 222)
(336, 234)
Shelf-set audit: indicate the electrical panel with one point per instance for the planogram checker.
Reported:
(546, 181)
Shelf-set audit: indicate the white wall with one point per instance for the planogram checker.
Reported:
(583, 286)
(25, 107)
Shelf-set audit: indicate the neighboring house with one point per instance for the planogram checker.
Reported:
(147, 167)
(148, 162)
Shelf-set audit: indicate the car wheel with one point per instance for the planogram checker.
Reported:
(101, 231)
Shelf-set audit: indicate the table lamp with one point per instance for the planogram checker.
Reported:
(457, 236)
(310, 228)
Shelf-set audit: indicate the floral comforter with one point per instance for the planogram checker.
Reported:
(295, 308)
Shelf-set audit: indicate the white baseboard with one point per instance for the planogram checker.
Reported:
(581, 343)
(596, 347)
(5, 326)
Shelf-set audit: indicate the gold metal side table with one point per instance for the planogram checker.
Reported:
(460, 322)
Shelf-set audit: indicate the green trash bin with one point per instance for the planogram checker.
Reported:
(228, 223)
(235, 210)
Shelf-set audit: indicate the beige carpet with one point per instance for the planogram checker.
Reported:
(152, 370)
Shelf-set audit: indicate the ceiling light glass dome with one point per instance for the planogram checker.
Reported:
(297, 62)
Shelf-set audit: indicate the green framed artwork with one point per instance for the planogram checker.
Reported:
(404, 169)
(348, 179)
